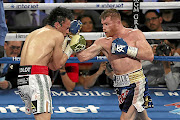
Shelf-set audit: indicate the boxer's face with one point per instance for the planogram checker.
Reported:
(108, 26)
(65, 27)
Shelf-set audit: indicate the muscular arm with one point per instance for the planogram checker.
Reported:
(90, 52)
(144, 49)
(58, 57)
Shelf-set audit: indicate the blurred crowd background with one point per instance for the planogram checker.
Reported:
(90, 74)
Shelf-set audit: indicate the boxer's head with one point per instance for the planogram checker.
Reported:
(111, 21)
(60, 18)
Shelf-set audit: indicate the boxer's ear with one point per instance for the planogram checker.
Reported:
(57, 25)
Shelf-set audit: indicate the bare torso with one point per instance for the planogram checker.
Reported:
(38, 46)
(121, 64)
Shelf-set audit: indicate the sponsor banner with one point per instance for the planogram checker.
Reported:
(136, 9)
(57, 109)
(95, 103)
(110, 5)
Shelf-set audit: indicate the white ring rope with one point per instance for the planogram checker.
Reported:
(92, 6)
(96, 35)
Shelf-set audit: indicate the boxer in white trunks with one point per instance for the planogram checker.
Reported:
(44, 49)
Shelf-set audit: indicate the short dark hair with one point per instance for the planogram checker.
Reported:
(154, 11)
(59, 14)
(85, 15)
(113, 13)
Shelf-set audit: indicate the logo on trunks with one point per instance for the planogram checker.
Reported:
(123, 95)
(177, 105)
(121, 81)
(23, 80)
(25, 70)
(25, 6)
(117, 5)
(34, 106)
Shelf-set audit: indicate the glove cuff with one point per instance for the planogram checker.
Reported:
(132, 51)
(64, 43)
(68, 51)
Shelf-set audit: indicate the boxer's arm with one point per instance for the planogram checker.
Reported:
(90, 52)
(64, 43)
(59, 58)
(51, 66)
(144, 49)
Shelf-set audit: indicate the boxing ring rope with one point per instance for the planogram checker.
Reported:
(16, 60)
(92, 6)
(95, 35)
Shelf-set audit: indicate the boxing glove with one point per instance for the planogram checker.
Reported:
(119, 46)
(77, 44)
(75, 27)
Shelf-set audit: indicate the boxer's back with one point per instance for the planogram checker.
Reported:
(38, 47)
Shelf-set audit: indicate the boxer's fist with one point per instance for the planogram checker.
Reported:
(77, 44)
(119, 46)
(75, 27)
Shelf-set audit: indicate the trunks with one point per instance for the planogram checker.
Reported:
(34, 88)
(132, 89)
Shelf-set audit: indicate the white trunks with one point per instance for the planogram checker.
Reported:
(34, 88)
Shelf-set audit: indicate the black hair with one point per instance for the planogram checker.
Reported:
(85, 15)
(59, 14)
(154, 11)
